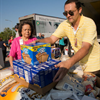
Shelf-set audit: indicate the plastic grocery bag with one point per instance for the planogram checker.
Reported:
(5, 73)
(6, 81)
(58, 95)
(67, 83)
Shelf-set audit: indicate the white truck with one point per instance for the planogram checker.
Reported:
(42, 23)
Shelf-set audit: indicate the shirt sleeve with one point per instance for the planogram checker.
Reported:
(13, 49)
(59, 31)
(90, 33)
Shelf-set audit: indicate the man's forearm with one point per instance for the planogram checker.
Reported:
(78, 56)
(45, 40)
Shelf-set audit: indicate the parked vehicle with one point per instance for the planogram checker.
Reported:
(42, 23)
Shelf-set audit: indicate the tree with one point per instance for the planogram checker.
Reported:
(5, 35)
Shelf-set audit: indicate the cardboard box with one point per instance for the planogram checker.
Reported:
(15, 67)
(98, 82)
(44, 73)
(38, 77)
(27, 73)
(35, 54)
(41, 91)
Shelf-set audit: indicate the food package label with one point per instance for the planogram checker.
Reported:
(35, 54)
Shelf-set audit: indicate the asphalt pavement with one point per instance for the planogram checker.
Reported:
(6, 64)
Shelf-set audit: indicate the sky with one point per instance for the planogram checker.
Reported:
(11, 10)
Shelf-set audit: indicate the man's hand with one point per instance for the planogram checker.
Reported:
(60, 74)
(66, 65)
(63, 69)
(34, 41)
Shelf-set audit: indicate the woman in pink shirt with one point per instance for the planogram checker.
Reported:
(25, 37)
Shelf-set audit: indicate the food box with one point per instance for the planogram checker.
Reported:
(43, 74)
(40, 75)
(35, 54)
(55, 52)
(27, 72)
(39, 90)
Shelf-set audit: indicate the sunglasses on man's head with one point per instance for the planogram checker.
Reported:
(70, 13)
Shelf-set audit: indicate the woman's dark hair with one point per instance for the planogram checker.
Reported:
(24, 23)
(17, 25)
(77, 2)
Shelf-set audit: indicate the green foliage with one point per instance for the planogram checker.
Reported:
(5, 35)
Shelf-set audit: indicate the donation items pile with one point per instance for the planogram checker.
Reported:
(36, 68)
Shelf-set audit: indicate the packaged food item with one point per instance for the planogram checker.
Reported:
(14, 92)
(38, 76)
(15, 67)
(69, 83)
(64, 57)
(43, 74)
(90, 77)
(6, 81)
(59, 95)
(97, 90)
(27, 73)
(35, 54)
(52, 70)
(93, 94)
(21, 71)
(66, 52)
(5, 73)
(87, 98)
(76, 76)
(32, 94)
(16, 64)
(83, 65)
(88, 86)
(56, 52)
(76, 69)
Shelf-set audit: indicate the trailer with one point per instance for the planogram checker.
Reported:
(42, 23)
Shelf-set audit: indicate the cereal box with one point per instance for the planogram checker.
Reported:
(43, 74)
(51, 64)
(21, 71)
(35, 54)
(15, 66)
(38, 77)
(27, 72)
(47, 73)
